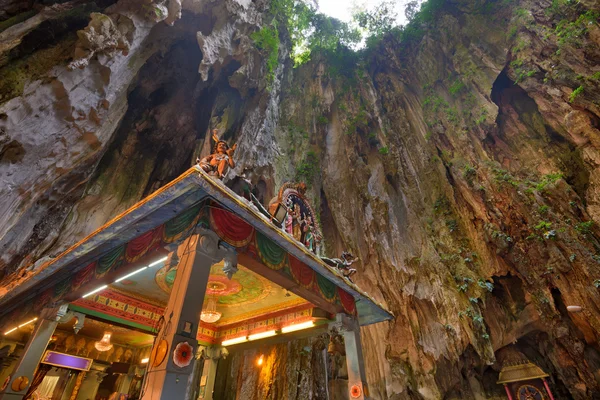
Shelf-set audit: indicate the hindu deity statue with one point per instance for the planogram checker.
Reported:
(296, 222)
(337, 351)
(309, 236)
(221, 158)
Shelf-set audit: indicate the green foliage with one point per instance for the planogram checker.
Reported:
(442, 206)
(520, 45)
(426, 15)
(485, 285)
(543, 209)
(575, 93)
(309, 30)
(572, 32)
(557, 5)
(584, 228)
(452, 225)
(452, 115)
(456, 87)
(359, 121)
(384, 150)
(520, 12)
(543, 225)
(322, 120)
(482, 117)
(267, 39)
(308, 169)
(548, 179)
(378, 21)
(381, 20)
(469, 173)
(502, 176)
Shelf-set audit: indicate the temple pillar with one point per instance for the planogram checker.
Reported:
(90, 385)
(357, 378)
(548, 388)
(508, 392)
(209, 371)
(31, 357)
(172, 378)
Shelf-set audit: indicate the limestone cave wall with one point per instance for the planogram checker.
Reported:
(461, 167)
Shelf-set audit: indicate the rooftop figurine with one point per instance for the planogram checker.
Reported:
(343, 264)
(221, 158)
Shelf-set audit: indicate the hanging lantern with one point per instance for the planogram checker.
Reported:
(209, 313)
(104, 344)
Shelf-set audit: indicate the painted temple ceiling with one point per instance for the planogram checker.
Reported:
(142, 297)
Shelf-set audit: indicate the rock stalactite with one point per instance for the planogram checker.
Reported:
(461, 168)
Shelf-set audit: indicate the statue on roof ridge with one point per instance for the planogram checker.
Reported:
(221, 159)
(298, 218)
(343, 264)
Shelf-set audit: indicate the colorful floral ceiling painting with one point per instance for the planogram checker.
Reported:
(244, 288)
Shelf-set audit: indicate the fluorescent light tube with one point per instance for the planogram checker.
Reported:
(237, 340)
(28, 322)
(11, 331)
(94, 291)
(297, 327)
(262, 335)
(130, 275)
(158, 262)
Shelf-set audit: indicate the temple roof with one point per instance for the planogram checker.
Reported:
(520, 372)
(162, 217)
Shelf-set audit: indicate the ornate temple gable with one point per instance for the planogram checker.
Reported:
(141, 234)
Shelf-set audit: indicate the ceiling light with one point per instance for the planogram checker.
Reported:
(297, 327)
(210, 314)
(28, 322)
(262, 335)
(94, 291)
(237, 340)
(104, 343)
(158, 262)
(130, 275)
(11, 331)
(145, 360)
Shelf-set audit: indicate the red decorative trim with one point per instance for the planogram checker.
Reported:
(275, 314)
(141, 245)
(302, 273)
(230, 227)
(142, 313)
(347, 301)
(83, 276)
